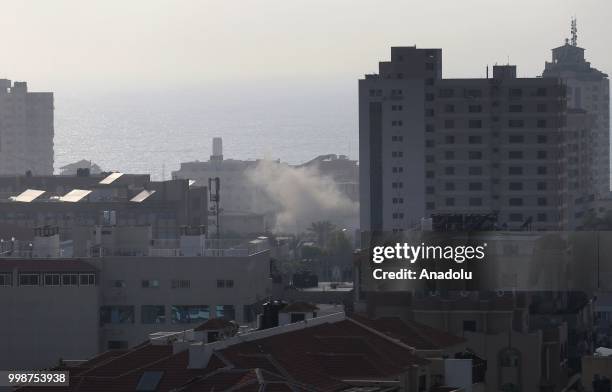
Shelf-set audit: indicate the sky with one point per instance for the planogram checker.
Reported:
(119, 45)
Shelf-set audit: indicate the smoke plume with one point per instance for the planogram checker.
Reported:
(299, 196)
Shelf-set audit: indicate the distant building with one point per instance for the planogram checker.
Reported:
(72, 169)
(68, 202)
(504, 146)
(64, 308)
(588, 89)
(26, 130)
(330, 353)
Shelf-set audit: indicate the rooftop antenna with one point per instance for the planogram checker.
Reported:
(574, 31)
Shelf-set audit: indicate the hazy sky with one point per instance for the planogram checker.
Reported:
(75, 45)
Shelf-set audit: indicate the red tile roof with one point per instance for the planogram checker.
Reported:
(314, 358)
(412, 333)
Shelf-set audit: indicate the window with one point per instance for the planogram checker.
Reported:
(180, 284)
(446, 93)
(542, 217)
(429, 143)
(398, 200)
(449, 170)
(397, 169)
(430, 205)
(541, 154)
(70, 279)
(397, 123)
(449, 186)
(542, 170)
(397, 185)
(541, 123)
(87, 279)
(542, 201)
(475, 155)
(429, 66)
(541, 92)
(473, 93)
(515, 186)
(153, 314)
(222, 283)
(397, 215)
(515, 108)
(429, 112)
(430, 174)
(29, 279)
(515, 217)
(225, 311)
(475, 171)
(541, 108)
(397, 138)
(429, 97)
(6, 280)
(120, 314)
(449, 155)
(473, 139)
(516, 92)
(150, 284)
(515, 155)
(449, 124)
(516, 139)
(469, 325)
(117, 283)
(429, 128)
(397, 154)
(149, 381)
(397, 108)
(541, 186)
(475, 123)
(450, 139)
(475, 186)
(450, 201)
(430, 159)
(185, 314)
(52, 279)
(430, 190)
(542, 139)
(449, 108)
(516, 123)
(515, 170)
(475, 201)
(297, 317)
(475, 108)
(515, 202)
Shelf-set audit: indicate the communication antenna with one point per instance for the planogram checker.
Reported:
(574, 31)
(214, 187)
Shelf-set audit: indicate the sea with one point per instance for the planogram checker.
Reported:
(153, 131)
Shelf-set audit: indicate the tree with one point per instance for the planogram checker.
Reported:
(322, 231)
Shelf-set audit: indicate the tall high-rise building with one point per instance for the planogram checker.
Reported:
(588, 89)
(504, 147)
(26, 130)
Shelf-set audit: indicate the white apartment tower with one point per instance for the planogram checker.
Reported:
(588, 90)
(26, 130)
(501, 146)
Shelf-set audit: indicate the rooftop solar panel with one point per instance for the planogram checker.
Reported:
(75, 195)
(142, 196)
(110, 178)
(28, 195)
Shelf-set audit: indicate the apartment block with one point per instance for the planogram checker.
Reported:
(26, 130)
(500, 146)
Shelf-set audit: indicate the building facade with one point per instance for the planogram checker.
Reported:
(502, 146)
(26, 130)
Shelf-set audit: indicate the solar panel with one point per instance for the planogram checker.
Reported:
(75, 195)
(142, 196)
(28, 195)
(111, 178)
(149, 381)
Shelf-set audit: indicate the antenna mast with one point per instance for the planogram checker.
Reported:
(574, 31)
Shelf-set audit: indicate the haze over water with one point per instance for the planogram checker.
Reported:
(141, 132)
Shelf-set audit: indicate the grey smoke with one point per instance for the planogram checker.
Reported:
(300, 196)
